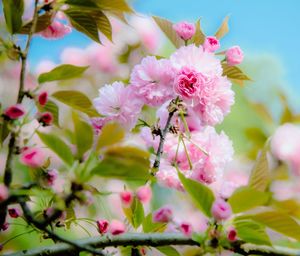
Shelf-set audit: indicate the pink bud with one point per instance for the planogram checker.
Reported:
(116, 227)
(56, 30)
(231, 234)
(5, 226)
(211, 44)
(234, 55)
(3, 192)
(126, 198)
(102, 226)
(164, 214)
(144, 194)
(185, 30)
(43, 98)
(221, 210)
(14, 213)
(51, 176)
(33, 157)
(186, 228)
(46, 118)
(14, 112)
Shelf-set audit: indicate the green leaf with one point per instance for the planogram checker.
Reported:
(278, 221)
(260, 175)
(58, 146)
(53, 109)
(43, 22)
(201, 195)
(78, 101)
(13, 11)
(234, 73)
(251, 232)
(125, 162)
(111, 133)
(114, 5)
(223, 29)
(167, 27)
(84, 135)
(83, 22)
(4, 131)
(199, 36)
(149, 226)
(135, 213)
(62, 72)
(245, 198)
(103, 24)
(168, 250)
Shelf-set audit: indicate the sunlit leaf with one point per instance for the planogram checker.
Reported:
(223, 29)
(150, 226)
(43, 22)
(199, 36)
(201, 195)
(289, 206)
(135, 213)
(111, 133)
(234, 73)
(256, 135)
(103, 24)
(168, 250)
(114, 5)
(245, 198)
(167, 27)
(62, 72)
(13, 11)
(58, 146)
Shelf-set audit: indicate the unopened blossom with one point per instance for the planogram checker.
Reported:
(116, 227)
(14, 112)
(144, 194)
(186, 228)
(164, 214)
(33, 157)
(234, 55)
(185, 29)
(103, 226)
(152, 81)
(56, 30)
(4, 227)
(211, 44)
(43, 98)
(119, 104)
(126, 198)
(3, 192)
(221, 210)
(51, 177)
(46, 118)
(231, 234)
(14, 212)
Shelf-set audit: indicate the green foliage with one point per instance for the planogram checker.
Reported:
(4, 131)
(125, 162)
(235, 74)
(53, 109)
(201, 195)
(76, 100)
(58, 146)
(43, 22)
(251, 232)
(199, 36)
(168, 250)
(111, 133)
(245, 198)
(167, 27)
(150, 226)
(135, 213)
(13, 11)
(103, 24)
(62, 72)
(223, 29)
(84, 135)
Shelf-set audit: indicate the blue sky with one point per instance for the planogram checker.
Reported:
(258, 26)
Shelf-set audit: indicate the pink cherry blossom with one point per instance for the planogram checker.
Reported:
(153, 80)
(221, 210)
(164, 214)
(56, 30)
(118, 103)
(144, 194)
(14, 112)
(186, 228)
(234, 55)
(33, 157)
(3, 192)
(43, 98)
(211, 44)
(116, 227)
(126, 198)
(14, 212)
(103, 226)
(185, 29)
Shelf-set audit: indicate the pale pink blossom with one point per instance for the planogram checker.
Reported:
(221, 210)
(33, 157)
(56, 30)
(103, 226)
(118, 103)
(74, 56)
(144, 194)
(185, 29)
(153, 80)
(164, 214)
(14, 212)
(116, 227)
(3, 192)
(14, 112)
(234, 55)
(186, 228)
(43, 98)
(126, 198)
(211, 44)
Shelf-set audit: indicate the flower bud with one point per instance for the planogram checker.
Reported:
(14, 112)
(144, 194)
(185, 30)
(14, 213)
(234, 55)
(102, 226)
(186, 228)
(126, 198)
(46, 118)
(211, 44)
(43, 98)
(231, 234)
(33, 157)
(221, 210)
(164, 214)
(116, 227)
